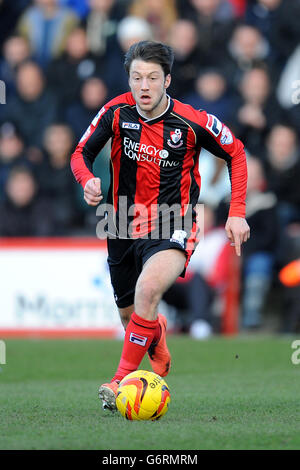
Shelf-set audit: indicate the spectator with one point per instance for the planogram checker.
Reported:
(46, 26)
(259, 252)
(79, 116)
(214, 20)
(160, 14)
(288, 89)
(246, 49)
(131, 29)
(278, 22)
(22, 213)
(34, 107)
(55, 178)
(12, 152)
(93, 96)
(9, 14)
(282, 164)
(258, 109)
(80, 7)
(239, 7)
(16, 50)
(101, 25)
(183, 39)
(67, 73)
(212, 95)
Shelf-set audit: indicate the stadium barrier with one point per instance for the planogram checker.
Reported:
(56, 287)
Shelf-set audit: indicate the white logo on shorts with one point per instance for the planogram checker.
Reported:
(179, 236)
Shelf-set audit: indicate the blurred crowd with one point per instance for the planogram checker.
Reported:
(61, 60)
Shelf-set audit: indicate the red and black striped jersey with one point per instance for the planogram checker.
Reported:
(155, 161)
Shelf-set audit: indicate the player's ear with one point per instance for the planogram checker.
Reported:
(167, 80)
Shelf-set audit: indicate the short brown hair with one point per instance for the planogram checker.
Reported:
(150, 51)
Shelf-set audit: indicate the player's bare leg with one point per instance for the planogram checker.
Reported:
(159, 273)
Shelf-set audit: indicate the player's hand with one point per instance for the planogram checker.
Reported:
(92, 192)
(238, 232)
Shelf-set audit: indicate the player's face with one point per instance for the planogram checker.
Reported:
(148, 85)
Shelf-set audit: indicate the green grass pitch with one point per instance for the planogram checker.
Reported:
(226, 393)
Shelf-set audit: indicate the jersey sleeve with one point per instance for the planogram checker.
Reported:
(218, 139)
(90, 144)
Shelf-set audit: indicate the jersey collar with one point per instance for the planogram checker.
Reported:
(161, 116)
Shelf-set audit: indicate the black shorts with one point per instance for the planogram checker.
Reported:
(126, 258)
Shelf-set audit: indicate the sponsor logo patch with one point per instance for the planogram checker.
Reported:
(226, 136)
(214, 125)
(131, 125)
(138, 339)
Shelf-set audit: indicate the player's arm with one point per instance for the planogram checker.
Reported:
(89, 146)
(215, 137)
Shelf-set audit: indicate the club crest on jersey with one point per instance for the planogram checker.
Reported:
(175, 141)
(131, 125)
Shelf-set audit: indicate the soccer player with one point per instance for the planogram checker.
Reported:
(155, 145)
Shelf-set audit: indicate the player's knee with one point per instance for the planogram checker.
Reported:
(148, 291)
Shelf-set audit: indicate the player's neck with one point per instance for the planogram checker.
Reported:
(158, 111)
